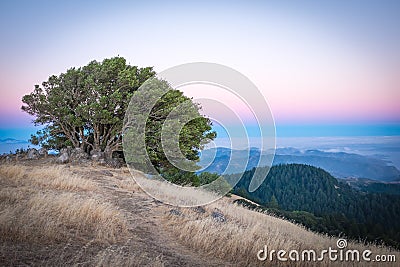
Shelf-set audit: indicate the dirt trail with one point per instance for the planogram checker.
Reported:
(145, 215)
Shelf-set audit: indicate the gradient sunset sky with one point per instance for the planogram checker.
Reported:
(325, 68)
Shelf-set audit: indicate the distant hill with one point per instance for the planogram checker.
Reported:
(8, 145)
(313, 197)
(12, 141)
(339, 164)
(343, 165)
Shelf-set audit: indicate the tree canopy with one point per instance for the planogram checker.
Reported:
(84, 107)
(162, 125)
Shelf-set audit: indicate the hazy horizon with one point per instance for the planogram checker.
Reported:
(383, 147)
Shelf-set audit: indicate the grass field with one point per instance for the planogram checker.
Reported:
(59, 215)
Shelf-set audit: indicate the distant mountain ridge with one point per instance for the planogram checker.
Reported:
(12, 141)
(338, 164)
(10, 145)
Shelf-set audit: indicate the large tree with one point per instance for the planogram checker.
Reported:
(85, 107)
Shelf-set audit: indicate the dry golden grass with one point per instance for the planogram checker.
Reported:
(172, 194)
(125, 181)
(33, 208)
(54, 177)
(62, 216)
(245, 232)
(115, 257)
(54, 217)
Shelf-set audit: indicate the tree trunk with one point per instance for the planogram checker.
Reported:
(108, 153)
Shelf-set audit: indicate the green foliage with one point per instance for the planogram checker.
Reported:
(191, 136)
(181, 177)
(164, 132)
(50, 137)
(86, 105)
(314, 198)
(207, 177)
(273, 204)
(215, 183)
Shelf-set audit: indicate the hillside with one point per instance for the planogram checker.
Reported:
(330, 206)
(95, 216)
